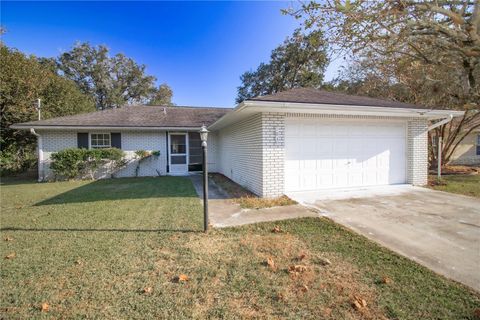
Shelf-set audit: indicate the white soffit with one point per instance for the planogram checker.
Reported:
(248, 108)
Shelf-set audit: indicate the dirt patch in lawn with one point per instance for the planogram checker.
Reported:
(453, 170)
(247, 199)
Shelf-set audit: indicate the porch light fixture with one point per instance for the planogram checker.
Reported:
(203, 136)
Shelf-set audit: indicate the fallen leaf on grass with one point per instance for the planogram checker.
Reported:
(277, 229)
(147, 290)
(10, 256)
(386, 280)
(271, 264)
(45, 307)
(304, 288)
(297, 269)
(359, 303)
(7, 238)
(181, 278)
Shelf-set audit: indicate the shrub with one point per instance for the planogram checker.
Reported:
(142, 153)
(156, 153)
(74, 162)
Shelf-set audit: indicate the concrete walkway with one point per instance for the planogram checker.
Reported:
(224, 212)
(439, 230)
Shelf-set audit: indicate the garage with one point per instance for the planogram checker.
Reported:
(331, 153)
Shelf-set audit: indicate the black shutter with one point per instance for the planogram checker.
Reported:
(82, 140)
(116, 140)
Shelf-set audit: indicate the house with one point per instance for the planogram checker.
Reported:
(297, 140)
(468, 150)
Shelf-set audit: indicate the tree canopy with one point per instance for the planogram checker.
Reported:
(112, 81)
(299, 62)
(23, 80)
(162, 96)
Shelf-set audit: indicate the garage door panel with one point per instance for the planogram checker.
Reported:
(343, 154)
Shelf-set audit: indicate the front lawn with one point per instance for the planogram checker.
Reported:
(468, 185)
(133, 249)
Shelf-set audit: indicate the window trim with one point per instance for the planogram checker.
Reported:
(101, 147)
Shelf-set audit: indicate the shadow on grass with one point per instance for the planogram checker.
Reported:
(98, 230)
(125, 189)
(17, 180)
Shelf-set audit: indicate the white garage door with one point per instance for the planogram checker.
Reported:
(322, 154)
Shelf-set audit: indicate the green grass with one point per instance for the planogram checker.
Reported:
(468, 185)
(89, 249)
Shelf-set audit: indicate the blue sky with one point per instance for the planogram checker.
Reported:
(199, 48)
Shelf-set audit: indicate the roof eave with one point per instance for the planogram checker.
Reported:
(254, 106)
(26, 126)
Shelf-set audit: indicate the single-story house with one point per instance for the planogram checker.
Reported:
(297, 140)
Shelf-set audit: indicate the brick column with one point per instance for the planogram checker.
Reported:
(273, 154)
(417, 152)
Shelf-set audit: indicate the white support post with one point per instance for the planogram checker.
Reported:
(439, 158)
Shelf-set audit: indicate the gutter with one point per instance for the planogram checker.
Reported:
(40, 154)
(441, 123)
(79, 127)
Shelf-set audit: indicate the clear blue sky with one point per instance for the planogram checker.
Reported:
(199, 48)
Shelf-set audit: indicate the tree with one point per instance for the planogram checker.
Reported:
(162, 96)
(112, 81)
(23, 80)
(425, 52)
(299, 62)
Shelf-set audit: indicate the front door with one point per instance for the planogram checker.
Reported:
(178, 153)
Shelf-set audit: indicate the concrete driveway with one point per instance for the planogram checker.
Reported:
(437, 229)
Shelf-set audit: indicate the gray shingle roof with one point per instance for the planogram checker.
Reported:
(310, 95)
(138, 116)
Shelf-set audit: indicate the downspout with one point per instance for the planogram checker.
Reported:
(40, 154)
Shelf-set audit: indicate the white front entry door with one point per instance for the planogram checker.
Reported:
(321, 154)
(178, 153)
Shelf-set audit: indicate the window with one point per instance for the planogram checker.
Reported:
(100, 140)
(178, 144)
(478, 144)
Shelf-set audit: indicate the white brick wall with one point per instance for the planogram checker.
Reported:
(149, 141)
(417, 152)
(240, 153)
(273, 136)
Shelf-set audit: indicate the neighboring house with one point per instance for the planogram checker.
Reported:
(298, 140)
(468, 150)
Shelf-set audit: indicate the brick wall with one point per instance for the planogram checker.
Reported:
(240, 153)
(417, 152)
(54, 141)
(273, 137)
